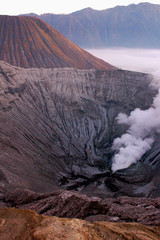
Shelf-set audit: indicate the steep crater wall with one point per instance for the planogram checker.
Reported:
(58, 124)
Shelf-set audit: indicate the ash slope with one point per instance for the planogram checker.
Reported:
(29, 42)
(62, 122)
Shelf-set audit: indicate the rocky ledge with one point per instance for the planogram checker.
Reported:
(26, 224)
(70, 204)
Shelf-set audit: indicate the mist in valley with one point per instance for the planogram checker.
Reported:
(141, 60)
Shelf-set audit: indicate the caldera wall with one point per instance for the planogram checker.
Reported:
(53, 120)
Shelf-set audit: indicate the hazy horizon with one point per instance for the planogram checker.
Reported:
(60, 7)
(134, 59)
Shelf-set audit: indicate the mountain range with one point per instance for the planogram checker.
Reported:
(122, 26)
(29, 42)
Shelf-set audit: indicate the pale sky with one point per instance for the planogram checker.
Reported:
(16, 7)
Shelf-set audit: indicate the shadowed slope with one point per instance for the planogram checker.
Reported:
(30, 42)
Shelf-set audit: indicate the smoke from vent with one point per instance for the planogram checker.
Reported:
(143, 124)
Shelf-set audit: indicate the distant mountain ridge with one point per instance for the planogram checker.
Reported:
(29, 42)
(122, 26)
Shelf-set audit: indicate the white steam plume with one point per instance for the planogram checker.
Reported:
(142, 124)
(139, 138)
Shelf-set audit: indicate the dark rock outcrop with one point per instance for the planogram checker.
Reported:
(122, 26)
(57, 127)
(29, 42)
(73, 205)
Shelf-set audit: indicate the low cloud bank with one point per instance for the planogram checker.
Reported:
(141, 60)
